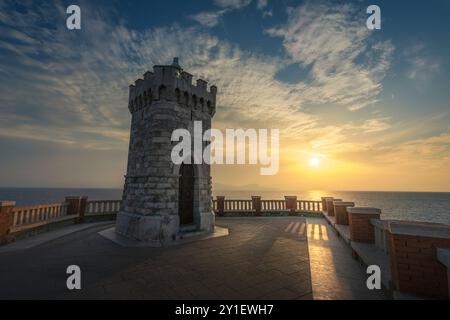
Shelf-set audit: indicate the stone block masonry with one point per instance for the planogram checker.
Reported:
(159, 196)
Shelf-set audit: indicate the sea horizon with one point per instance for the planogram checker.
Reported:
(424, 206)
(236, 189)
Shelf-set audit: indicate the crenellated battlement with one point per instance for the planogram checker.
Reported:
(172, 83)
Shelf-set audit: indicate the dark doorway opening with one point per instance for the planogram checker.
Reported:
(186, 194)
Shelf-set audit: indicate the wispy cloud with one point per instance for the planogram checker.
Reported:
(59, 85)
(428, 153)
(422, 65)
(346, 65)
(376, 125)
(267, 13)
(70, 88)
(233, 4)
(212, 18)
(261, 4)
(209, 18)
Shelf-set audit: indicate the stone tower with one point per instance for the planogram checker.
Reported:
(162, 200)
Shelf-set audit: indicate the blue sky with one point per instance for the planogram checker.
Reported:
(372, 102)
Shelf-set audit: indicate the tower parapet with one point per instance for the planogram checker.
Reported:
(172, 83)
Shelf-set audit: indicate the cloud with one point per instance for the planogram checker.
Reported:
(78, 97)
(262, 4)
(232, 4)
(347, 67)
(208, 19)
(422, 66)
(376, 125)
(429, 153)
(72, 88)
(268, 13)
(335, 140)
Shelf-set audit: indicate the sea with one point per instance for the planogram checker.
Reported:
(413, 206)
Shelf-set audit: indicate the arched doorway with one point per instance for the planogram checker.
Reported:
(186, 194)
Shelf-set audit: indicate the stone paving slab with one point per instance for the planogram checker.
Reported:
(262, 258)
(258, 260)
(195, 236)
(368, 253)
(335, 274)
(42, 238)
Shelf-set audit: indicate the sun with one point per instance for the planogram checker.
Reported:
(314, 162)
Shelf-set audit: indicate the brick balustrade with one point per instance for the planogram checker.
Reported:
(443, 255)
(415, 267)
(340, 211)
(324, 202)
(330, 205)
(361, 229)
(418, 253)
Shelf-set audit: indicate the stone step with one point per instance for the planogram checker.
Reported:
(188, 228)
(185, 235)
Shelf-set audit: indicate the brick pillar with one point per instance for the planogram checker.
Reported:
(77, 205)
(220, 205)
(324, 203)
(361, 229)
(330, 206)
(443, 255)
(291, 204)
(256, 205)
(415, 267)
(6, 219)
(340, 211)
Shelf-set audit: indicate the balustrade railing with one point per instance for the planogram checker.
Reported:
(234, 205)
(307, 205)
(273, 205)
(103, 206)
(32, 215)
(39, 213)
(35, 214)
(238, 205)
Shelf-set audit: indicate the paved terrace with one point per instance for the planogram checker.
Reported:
(262, 258)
